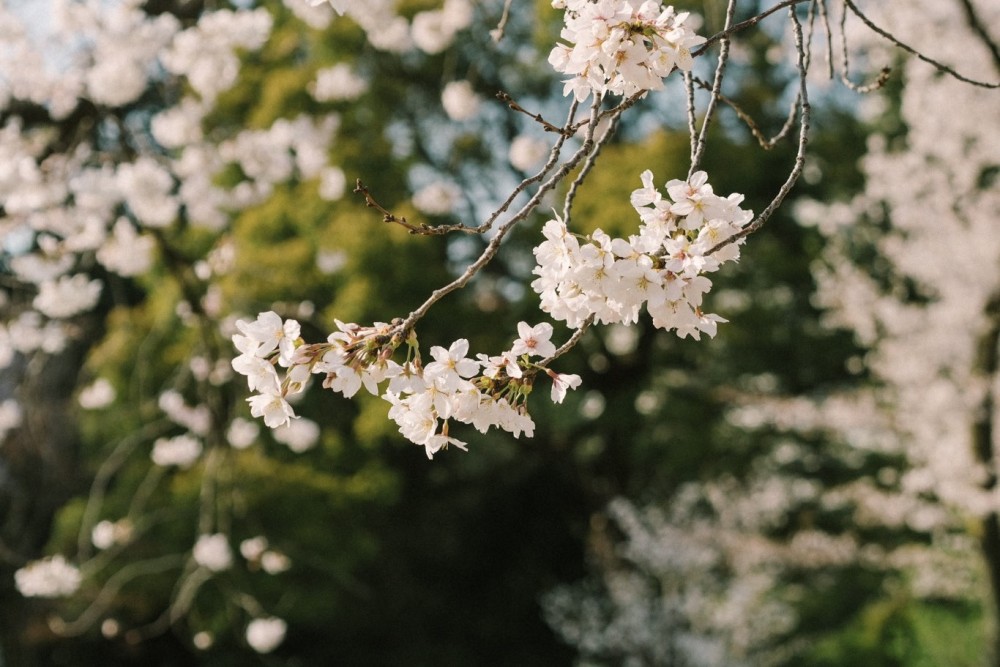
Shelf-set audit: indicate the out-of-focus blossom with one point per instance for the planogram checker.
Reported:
(459, 100)
(437, 198)
(338, 83)
(181, 451)
(51, 577)
(213, 552)
(527, 152)
(98, 394)
(67, 296)
(266, 634)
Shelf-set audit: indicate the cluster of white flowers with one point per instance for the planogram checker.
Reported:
(298, 435)
(51, 577)
(338, 83)
(181, 451)
(683, 587)
(661, 267)
(485, 391)
(621, 46)
(206, 52)
(432, 30)
(62, 210)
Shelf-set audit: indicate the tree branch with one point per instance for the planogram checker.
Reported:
(909, 49)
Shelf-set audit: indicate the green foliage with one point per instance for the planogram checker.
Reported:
(899, 631)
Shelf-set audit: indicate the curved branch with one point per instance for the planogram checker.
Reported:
(976, 25)
(494, 245)
(743, 25)
(720, 72)
(800, 154)
(941, 67)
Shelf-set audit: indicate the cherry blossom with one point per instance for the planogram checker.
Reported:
(534, 340)
(660, 268)
(561, 383)
(618, 47)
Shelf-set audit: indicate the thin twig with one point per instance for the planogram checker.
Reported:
(494, 245)
(627, 103)
(111, 589)
(498, 33)
(102, 479)
(749, 23)
(713, 101)
(549, 127)
(909, 49)
(976, 25)
(800, 154)
(569, 344)
(371, 202)
(825, 17)
(554, 154)
(765, 142)
(588, 165)
(692, 119)
(845, 63)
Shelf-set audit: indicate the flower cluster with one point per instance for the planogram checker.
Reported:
(432, 30)
(485, 391)
(661, 267)
(51, 577)
(621, 46)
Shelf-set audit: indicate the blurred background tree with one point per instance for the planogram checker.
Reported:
(372, 554)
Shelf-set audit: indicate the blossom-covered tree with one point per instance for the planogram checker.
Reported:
(928, 319)
(153, 200)
(916, 443)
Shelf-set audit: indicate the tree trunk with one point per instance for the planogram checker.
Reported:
(987, 363)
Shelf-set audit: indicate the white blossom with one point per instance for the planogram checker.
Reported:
(298, 435)
(127, 252)
(621, 46)
(438, 198)
(242, 433)
(67, 296)
(459, 100)
(147, 188)
(660, 268)
(181, 451)
(252, 548)
(534, 340)
(527, 152)
(98, 394)
(274, 562)
(213, 552)
(266, 634)
(338, 83)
